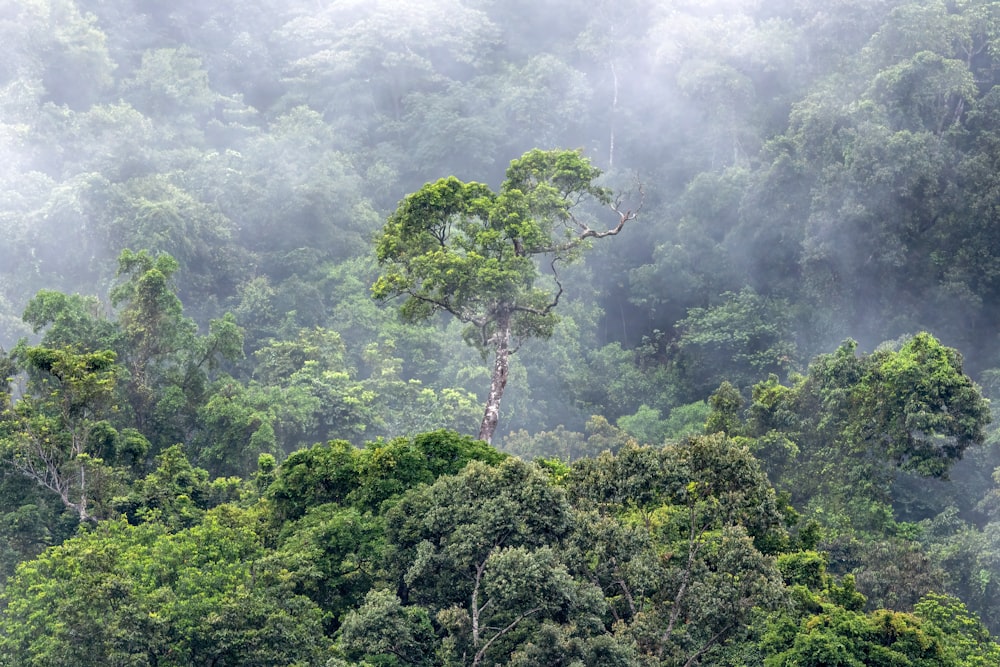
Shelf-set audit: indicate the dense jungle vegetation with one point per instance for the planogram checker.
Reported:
(265, 264)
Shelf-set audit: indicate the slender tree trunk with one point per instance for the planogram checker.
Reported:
(83, 495)
(476, 609)
(614, 111)
(501, 368)
(694, 546)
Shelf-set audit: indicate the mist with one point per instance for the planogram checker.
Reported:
(192, 194)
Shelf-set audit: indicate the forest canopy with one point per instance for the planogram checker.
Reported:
(754, 428)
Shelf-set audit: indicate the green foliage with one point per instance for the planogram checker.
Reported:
(965, 639)
(167, 363)
(383, 630)
(321, 474)
(645, 425)
(840, 433)
(337, 472)
(813, 171)
(687, 420)
(803, 568)
(331, 555)
(171, 82)
(152, 320)
(552, 643)
(54, 435)
(461, 248)
(387, 469)
(158, 214)
(425, 550)
(559, 444)
(963, 554)
(894, 574)
(599, 436)
(175, 494)
(33, 519)
(848, 639)
(703, 507)
(70, 320)
(141, 595)
(480, 551)
(742, 339)
(612, 381)
(725, 403)
(407, 407)
(484, 509)
(238, 424)
(924, 409)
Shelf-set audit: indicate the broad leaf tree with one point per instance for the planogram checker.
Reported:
(846, 433)
(50, 434)
(143, 595)
(464, 249)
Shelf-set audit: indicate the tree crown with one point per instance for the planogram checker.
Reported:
(467, 250)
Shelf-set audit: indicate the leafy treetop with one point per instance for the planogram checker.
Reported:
(466, 250)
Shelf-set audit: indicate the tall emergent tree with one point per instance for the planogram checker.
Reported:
(466, 250)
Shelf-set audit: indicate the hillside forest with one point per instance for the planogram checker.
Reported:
(376, 333)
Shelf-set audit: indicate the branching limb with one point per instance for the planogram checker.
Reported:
(709, 644)
(476, 609)
(623, 217)
(694, 546)
(555, 298)
(584, 231)
(500, 633)
(480, 322)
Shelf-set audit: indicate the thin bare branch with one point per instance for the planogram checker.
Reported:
(623, 217)
(500, 633)
(694, 546)
(555, 299)
(585, 231)
(709, 644)
(447, 307)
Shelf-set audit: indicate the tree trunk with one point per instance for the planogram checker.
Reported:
(501, 368)
(82, 506)
(614, 112)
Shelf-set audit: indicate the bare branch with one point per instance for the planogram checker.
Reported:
(585, 231)
(623, 217)
(628, 594)
(555, 299)
(447, 307)
(694, 546)
(476, 609)
(500, 633)
(711, 642)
